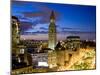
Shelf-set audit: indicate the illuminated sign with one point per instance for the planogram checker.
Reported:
(45, 64)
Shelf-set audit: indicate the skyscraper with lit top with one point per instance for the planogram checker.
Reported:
(52, 32)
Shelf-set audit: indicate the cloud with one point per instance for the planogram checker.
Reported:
(25, 26)
(44, 15)
(67, 28)
(41, 32)
(78, 32)
(35, 33)
(33, 14)
(37, 17)
(43, 28)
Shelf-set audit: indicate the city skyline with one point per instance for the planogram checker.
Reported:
(70, 20)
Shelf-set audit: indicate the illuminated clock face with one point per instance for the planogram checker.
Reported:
(51, 30)
(52, 20)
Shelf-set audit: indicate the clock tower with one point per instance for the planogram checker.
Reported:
(52, 32)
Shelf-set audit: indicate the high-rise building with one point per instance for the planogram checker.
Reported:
(15, 34)
(15, 30)
(19, 52)
(52, 32)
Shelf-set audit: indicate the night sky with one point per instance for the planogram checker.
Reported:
(70, 20)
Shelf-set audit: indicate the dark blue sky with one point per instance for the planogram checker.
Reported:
(70, 19)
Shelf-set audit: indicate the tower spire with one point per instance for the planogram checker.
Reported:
(52, 16)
